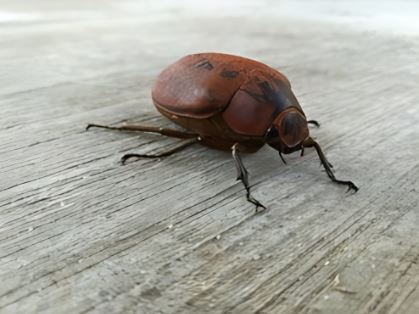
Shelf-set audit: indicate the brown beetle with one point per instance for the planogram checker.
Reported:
(230, 102)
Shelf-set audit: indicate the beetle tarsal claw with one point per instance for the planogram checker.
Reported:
(352, 187)
(327, 166)
(254, 201)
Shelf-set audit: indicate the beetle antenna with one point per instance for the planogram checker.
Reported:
(282, 158)
(314, 122)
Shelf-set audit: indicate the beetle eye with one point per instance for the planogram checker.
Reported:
(293, 129)
(272, 133)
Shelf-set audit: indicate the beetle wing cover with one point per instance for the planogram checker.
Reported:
(258, 102)
(202, 85)
(198, 85)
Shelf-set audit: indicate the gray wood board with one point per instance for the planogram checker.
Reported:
(82, 234)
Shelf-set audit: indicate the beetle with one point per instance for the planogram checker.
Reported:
(229, 102)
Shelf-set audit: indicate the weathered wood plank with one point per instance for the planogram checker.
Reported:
(80, 233)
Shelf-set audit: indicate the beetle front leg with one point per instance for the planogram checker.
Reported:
(242, 175)
(312, 143)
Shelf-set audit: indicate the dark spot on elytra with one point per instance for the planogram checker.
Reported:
(278, 96)
(229, 74)
(205, 64)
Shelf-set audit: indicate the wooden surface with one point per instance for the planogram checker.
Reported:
(82, 234)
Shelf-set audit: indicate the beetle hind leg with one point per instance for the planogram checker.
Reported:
(243, 176)
(166, 153)
(146, 129)
(327, 166)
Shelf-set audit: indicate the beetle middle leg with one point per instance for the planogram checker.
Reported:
(168, 152)
(243, 176)
(312, 143)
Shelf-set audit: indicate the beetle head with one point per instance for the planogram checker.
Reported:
(288, 131)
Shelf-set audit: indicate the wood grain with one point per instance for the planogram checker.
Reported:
(79, 233)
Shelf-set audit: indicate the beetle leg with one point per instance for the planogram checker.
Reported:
(314, 122)
(282, 158)
(169, 152)
(330, 165)
(148, 129)
(312, 143)
(242, 175)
